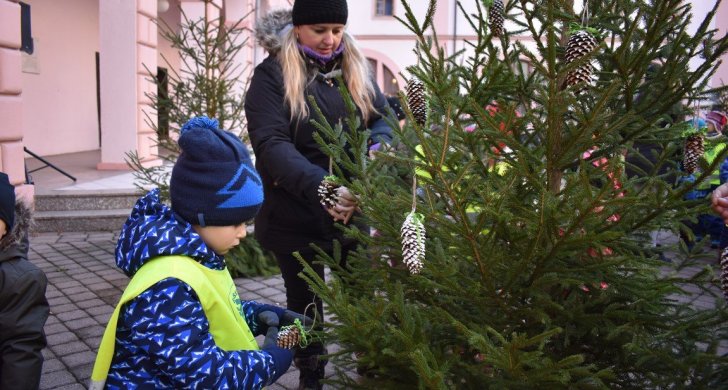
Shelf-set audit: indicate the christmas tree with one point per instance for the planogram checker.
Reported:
(538, 192)
(208, 83)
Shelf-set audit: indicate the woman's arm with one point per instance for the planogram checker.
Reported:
(269, 130)
(381, 132)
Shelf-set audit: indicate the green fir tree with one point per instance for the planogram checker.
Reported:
(208, 83)
(540, 270)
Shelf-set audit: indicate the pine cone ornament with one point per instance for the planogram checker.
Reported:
(694, 149)
(327, 191)
(289, 337)
(495, 17)
(724, 272)
(413, 241)
(580, 44)
(416, 100)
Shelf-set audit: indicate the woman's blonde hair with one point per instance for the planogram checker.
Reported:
(354, 66)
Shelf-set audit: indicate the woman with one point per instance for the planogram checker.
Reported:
(308, 49)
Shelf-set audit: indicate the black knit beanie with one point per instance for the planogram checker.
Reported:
(7, 201)
(213, 182)
(319, 11)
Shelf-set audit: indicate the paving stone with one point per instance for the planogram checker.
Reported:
(83, 322)
(83, 373)
(54, 328)
(268, 292)
(96, 329)
(79, 358)
(68, 348)
(279, 299)
(98, 267)
(75, 290)
(71, 315)
(89, 303)
(61, 338)
(73, 386)
(56, 379)
(58, 300)
(48, 354)
(108, 292)
(51, 319)
(273, 282)
(63, 308)
(51, 365)
(105, 309)
(253, 285)
(84, 296)
(93, 342)
(100, 285)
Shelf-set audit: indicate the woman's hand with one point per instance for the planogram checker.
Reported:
(345, 206)
(719, 201)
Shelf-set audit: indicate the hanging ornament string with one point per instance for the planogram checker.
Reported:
(414, 192)
(295, 335)
(585, 14)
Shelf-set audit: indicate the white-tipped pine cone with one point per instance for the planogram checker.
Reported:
(694, 149)
(327, 193)
(416, 100)
(289, 337)
(495, 17)
(580, 44)
(413, 242)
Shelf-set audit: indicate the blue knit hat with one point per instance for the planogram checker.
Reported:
(213, 181)
(7, 201)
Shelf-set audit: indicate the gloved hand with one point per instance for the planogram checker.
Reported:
(289, 316)
(267, 316)
(271, 338)
(282, 357)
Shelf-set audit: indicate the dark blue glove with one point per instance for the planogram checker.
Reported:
(288, 317)
(282, 357)
(267, 316)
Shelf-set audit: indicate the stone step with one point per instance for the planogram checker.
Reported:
(86, 200)
(80, 220)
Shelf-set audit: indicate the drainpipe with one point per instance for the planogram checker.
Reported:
(454, 26)
(255, 43)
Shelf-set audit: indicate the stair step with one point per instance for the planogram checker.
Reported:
(86, 200)
(80, 220)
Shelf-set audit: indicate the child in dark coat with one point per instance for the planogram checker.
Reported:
(180, 322)
(23, 305)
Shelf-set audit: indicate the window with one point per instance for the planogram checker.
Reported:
(385, 8)
(385, 78)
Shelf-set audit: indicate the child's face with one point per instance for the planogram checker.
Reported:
(221, 238)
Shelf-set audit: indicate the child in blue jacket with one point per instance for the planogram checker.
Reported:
(180, 322)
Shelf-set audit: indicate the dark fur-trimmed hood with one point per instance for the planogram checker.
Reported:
(269, 27)
(21, 228)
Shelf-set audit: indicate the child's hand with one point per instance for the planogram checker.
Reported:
(289, 317)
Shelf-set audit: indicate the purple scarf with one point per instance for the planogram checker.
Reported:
(321, 59)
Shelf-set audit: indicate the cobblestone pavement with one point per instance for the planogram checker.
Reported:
(84, 286)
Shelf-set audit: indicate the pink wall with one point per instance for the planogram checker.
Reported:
(60, 110)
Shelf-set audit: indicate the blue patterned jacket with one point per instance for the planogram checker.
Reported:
(163, 338)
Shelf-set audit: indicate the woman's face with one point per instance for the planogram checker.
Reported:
(323, 38)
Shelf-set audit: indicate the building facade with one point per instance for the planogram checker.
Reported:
(74, 74)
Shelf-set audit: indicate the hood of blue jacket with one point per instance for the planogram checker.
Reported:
(153, 230)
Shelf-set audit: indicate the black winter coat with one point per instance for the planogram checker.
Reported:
(23, 310)
(291, 163)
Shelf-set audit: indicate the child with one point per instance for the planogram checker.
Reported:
(180, 322)
(23, 305)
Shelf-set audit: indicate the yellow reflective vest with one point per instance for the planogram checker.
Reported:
(216, 291)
